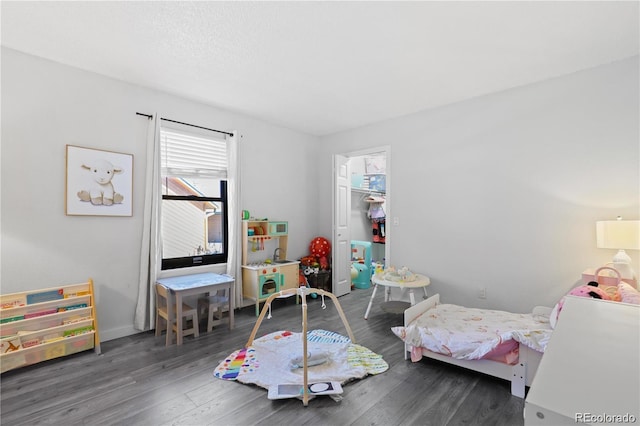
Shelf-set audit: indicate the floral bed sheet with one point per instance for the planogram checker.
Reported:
(471, 333)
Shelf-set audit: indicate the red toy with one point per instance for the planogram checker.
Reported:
(308, 261)
(320, 247)
(324, 263)
(302, 280)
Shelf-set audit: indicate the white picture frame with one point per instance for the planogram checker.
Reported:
(98, 182)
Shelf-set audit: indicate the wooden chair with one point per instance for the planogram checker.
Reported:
(213, 304)
(162, 315)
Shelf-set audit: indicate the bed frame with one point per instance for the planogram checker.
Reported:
(520, 375)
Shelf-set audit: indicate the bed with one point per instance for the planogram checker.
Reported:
(512, 352)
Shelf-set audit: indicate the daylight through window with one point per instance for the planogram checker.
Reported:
(194, 198)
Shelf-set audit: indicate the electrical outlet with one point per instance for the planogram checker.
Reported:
(482, 293)
(396, 221)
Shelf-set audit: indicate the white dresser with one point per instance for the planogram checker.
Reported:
(590, 372)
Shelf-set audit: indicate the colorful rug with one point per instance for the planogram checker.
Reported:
(273, 360)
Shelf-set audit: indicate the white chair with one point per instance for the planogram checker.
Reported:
(213, 304)
(162, 315)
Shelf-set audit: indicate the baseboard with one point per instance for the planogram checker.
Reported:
(116, 333)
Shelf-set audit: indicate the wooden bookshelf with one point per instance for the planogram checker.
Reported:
(44, 324)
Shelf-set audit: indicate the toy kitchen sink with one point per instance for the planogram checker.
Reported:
(261, 278)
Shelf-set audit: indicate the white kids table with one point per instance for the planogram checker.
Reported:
(188, 285)
(421, 281)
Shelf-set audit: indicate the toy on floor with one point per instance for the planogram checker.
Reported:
(303, 282)
(361, 261)
(296, 391)
(313, 358)
(269, 361)
(318, 259)
(354, 272)
(302, 292)
(272, 362)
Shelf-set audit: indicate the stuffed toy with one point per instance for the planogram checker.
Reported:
(307, 261)
(324, 263)
(318, 259)
(100, 190)
(589, 290)
(320, 247)
(302, 280)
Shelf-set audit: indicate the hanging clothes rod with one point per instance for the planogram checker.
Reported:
(185, 124)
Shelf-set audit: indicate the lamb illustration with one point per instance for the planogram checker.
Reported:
(101, 191)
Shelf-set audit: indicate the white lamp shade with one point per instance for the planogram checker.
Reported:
(618, 234)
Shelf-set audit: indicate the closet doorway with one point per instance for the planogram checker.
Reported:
(361, 207)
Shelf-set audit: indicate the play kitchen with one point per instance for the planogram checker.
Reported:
(265, 267)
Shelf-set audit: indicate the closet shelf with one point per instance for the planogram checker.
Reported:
(367, 191)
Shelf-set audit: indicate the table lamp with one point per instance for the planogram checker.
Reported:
(620, 235)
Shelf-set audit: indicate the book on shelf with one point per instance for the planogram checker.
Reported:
(14, 303)
(11, 319)
(45, 296)
(52, 337)
(77, 293)
(10, 344)
(72, 307)
(78, 331)
(40, 313)
(27, 343)
(75, 319)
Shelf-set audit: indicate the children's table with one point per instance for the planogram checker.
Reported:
(189, 285)
(421, 281)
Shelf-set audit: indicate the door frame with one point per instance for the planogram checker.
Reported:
(386, 150)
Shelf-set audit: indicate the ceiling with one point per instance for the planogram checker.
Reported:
(325, 67)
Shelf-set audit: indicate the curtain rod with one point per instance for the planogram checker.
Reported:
(185, 124)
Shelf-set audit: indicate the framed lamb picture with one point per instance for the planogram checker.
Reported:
(98, 183)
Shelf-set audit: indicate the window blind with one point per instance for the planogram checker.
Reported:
(189, 155)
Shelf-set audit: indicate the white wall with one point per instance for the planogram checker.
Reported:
(503, 191)
(46, 106)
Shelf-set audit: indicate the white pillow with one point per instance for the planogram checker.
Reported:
(628, 294)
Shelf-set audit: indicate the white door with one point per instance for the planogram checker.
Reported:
(341, 274)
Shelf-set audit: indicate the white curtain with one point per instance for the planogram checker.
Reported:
(233, 200)
(150, 253)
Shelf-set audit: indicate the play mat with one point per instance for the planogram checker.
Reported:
(275, 359)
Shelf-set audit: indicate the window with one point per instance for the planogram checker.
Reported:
(194, 211)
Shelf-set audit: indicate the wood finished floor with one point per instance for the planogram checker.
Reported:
(139, 381)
